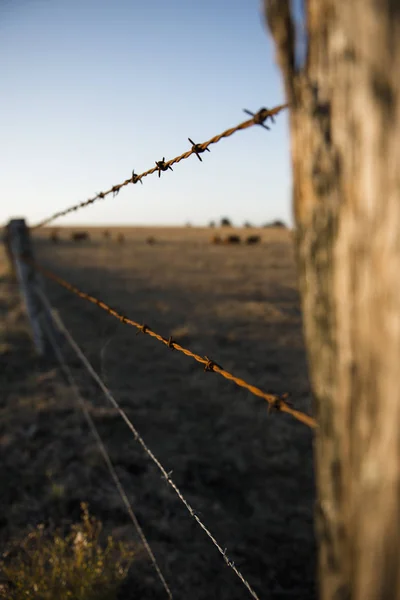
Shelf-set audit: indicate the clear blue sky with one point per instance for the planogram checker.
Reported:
(91, 89)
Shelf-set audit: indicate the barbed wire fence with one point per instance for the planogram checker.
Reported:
(166, 475)
(46, 323)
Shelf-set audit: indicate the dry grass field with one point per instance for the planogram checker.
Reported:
(248, 473)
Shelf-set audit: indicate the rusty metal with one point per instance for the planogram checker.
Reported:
(262, 115)
(197, 149)
(136, 178)
(162, 166)
(275, 401)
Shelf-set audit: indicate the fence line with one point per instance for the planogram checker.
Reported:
(167, 476)
(275, 402)
(161, 165)
(100, 443)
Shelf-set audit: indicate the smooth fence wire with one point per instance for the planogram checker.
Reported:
(103, 450)
(166, 475)
(275, 402)
(162, 165)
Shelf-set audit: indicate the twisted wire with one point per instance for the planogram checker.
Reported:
(276, 402)
(163, 165)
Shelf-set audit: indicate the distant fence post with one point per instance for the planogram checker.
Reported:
(18, 246)
(7, 244)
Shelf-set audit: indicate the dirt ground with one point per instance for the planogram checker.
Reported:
(247, 473)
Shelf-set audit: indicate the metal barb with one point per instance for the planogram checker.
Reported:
(262, 115)
(142, 329)
(135, 178)
(210, 364)
(162, 166)
(197, 149)
(276, 404)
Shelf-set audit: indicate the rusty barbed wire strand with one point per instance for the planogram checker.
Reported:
(276, 402)
(102, 448)
(166, 475)
(258, 119)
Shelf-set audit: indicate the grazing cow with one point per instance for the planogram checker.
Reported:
(150, 240)
(216, 239)
(79, 236)
(121, 238)
(54, 237)
(232, 239)
(253, 239)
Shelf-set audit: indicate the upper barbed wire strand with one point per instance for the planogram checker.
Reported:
(257, 119)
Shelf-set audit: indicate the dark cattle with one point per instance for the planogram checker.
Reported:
(279, 224)
(79, 236)
(106, 234)
(54, 237)
(150, 240)
(216, 239)
(232, 239)
(253, 239)
(121, 238)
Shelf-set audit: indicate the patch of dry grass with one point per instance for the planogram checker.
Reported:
(46, 566)
(248, 473)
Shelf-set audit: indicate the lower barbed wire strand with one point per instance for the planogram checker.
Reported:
(166, 475)
(272, 399)
(102, 448)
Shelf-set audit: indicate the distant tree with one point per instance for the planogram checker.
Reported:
(211, 224)
(225, 222)
(188, 224)
(247, 225)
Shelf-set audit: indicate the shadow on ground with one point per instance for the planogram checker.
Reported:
(247, 473)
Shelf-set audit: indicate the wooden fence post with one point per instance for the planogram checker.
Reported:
(19, 247)
(344, 98)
